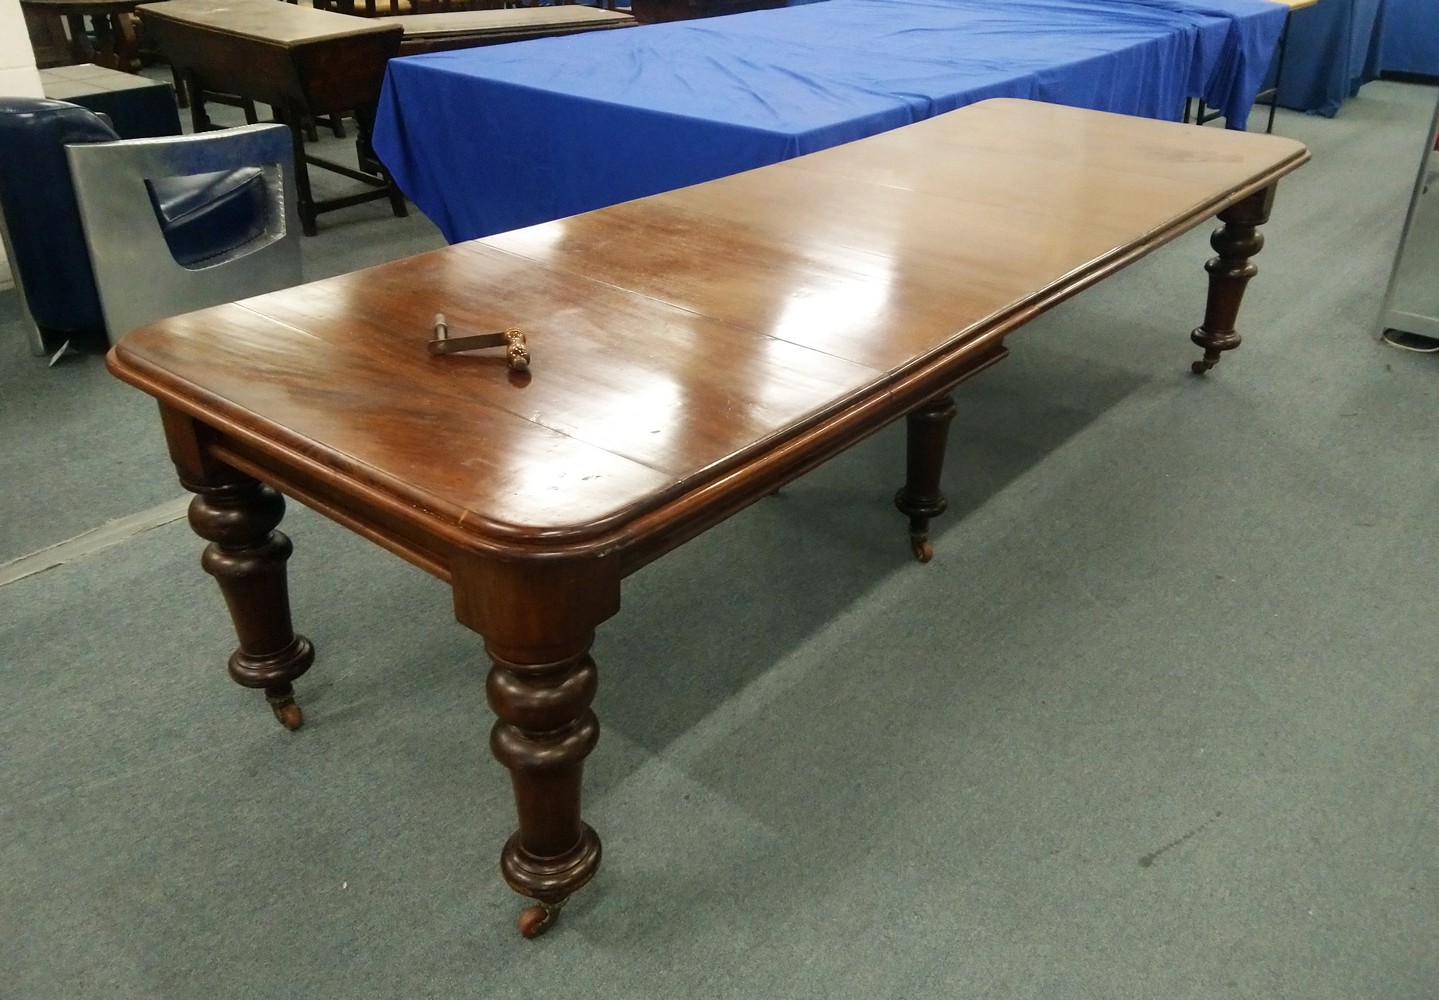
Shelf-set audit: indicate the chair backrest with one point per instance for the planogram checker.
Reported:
(44, 237)
(233, 230)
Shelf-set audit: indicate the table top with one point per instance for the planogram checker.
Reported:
(515, 20)
(682, 342)
(281, 24)
(64, 83)
(81, 6)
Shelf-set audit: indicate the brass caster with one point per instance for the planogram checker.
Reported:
(537, 919)
(922, 548)
(1210, 359)
(288, 713)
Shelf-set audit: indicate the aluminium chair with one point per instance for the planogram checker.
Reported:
(104, 235)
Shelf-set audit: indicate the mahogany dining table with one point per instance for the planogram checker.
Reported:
(688, 354)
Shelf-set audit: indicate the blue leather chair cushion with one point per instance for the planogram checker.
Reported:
(206, 215)
(51, 261)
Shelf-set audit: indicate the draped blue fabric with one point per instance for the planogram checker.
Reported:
(1229, 79)
(1334, 48)
(490, 139)
(1411, 37)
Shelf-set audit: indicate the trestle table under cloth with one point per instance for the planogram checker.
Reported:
(489, 140)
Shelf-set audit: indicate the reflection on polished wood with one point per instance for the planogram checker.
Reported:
(693, 352)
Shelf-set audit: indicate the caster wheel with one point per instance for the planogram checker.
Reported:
(537, 919)
(922, 548)
(289, 715)
(1200, 367)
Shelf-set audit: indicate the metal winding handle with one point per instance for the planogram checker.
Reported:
(517, 354)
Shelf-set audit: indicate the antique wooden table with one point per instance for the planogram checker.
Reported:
(691, 353)
(652, 11)
(442, 31)
(304, 63)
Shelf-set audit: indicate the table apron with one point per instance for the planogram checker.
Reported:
(420, 537)
(432, 542)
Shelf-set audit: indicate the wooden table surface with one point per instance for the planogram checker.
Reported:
(510, 21)
(311, 61)
(286, 25)
(453, 29)
(692, 352)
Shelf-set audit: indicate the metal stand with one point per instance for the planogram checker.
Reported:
(1411, 303)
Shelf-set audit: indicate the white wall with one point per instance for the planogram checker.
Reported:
(18, 76)
(17, 61)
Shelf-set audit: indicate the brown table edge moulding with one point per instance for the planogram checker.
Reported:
(536, 599)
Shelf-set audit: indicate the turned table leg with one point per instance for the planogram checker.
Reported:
(920, 498)
(543, 733)
(1235, 242)
(370, 163)
(246, 556)
(538, 620)
(304, 196)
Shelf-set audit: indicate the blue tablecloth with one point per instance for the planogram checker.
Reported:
(1245, 63)
(1411, 37)
(1334, 48)
(490, 139)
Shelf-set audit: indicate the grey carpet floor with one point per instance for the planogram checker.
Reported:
(1158, 721)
